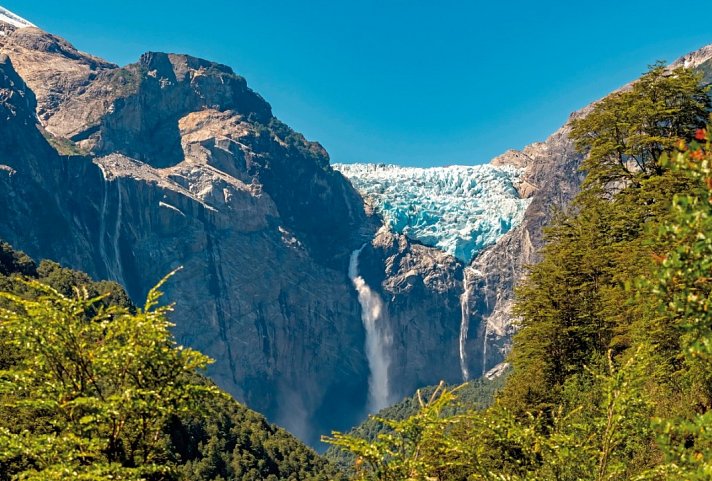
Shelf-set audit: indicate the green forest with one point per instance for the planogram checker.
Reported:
(611, 368)
(611, 373)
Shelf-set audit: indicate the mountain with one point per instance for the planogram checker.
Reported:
(129, 172)
(232, 442)
(315, 311)
(495, 213)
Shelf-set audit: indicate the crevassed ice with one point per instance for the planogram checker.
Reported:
(459, 209)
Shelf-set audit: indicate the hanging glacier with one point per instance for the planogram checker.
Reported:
(458, 209)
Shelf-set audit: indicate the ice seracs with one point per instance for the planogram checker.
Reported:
(459, 209)
(17, 21)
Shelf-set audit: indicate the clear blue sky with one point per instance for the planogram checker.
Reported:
(409, 82)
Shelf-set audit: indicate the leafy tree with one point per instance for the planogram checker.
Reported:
(626, 133)
(477, 394)
(685, 289)
(612, 375)
(596, 441)
(220, 440)
(405, 451)
(101, 382)
(577, 303)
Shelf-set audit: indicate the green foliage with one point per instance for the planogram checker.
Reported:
(597, 441)
(477, 394)
(585, 297)
(626, 133)
(104, 385)
(93, 388)
(685, 287)
(612, 366)
(405, 450)
(63, 146)
(233, 443)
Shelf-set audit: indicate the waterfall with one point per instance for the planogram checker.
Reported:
(117, 233)
(113, 266)
(102, 225)
(484, 349)
(377, 341)
(465, 321)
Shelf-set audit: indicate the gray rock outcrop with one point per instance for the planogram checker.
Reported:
(129, 172)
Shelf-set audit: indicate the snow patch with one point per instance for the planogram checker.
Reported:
(458, 209)
(15, 20)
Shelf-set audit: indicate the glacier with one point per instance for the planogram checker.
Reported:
(458, 209)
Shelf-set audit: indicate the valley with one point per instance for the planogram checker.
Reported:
(556, 295)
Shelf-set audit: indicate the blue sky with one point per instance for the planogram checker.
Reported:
(410, 82)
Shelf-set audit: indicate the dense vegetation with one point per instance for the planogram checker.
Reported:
(612, 365)
(92, 387)
(475, 394)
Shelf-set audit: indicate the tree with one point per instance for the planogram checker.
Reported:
(597, 441)
(626, 133)
(578, 302)
(685, 290)
(99, 384)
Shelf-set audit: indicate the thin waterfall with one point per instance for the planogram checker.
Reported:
(484, 348)
(377, 340)
(117, 233)
(465, 321)
(113, 267)
(102, 226)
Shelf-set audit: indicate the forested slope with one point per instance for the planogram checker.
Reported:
(86, 376)
(612, 364)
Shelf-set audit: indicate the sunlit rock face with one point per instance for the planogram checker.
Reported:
(458, 209)
(129, 172)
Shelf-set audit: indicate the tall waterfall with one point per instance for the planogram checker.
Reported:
(377, 339)
(465, 320)
(113, 266)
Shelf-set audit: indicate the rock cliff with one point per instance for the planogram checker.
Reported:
(173, 161)
(129, 172)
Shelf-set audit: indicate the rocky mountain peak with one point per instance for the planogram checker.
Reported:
(53, 69)
(694, 59)
(15, 98)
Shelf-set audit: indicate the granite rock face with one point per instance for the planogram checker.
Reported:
(129, 172)
(173, 161)
(551, 179)
(420, 287)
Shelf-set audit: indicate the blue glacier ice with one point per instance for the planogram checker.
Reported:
(459, 209)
